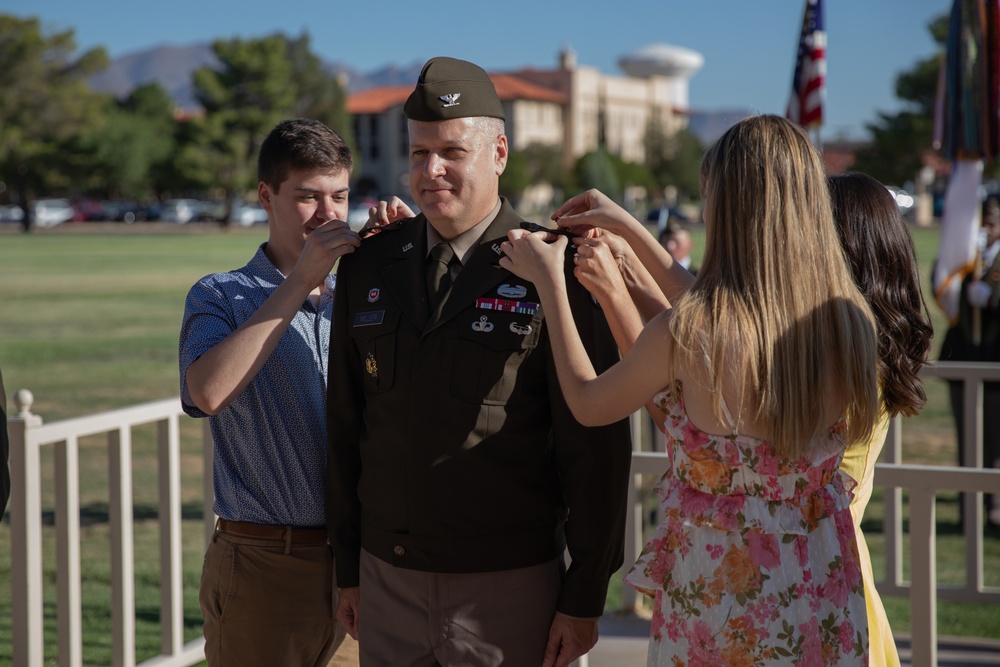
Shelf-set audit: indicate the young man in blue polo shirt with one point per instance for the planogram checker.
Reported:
(253, 359)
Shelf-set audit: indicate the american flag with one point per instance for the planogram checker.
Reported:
(809, 84)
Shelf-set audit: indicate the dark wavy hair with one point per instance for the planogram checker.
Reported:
(880, 252)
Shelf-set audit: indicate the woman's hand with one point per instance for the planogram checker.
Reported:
(591, 209)
(598, 268)
(537, 257)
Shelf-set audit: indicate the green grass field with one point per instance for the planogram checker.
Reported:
(89, 321)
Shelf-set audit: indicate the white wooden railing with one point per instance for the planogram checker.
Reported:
(29, 435)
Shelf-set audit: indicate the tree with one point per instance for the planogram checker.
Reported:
(536, 163)
(596, 169)
(45, 107)
(516, 177)
(128, 148)
(243, 99)
(259, 82)
(674, 159)
(900, 140)
(320, 95)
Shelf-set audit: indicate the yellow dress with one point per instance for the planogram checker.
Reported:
(859, 462)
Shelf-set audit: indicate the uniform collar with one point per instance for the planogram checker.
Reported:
(464, 243)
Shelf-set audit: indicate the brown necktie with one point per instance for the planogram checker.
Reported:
(439, 273)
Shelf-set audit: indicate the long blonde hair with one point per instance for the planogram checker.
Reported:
(774, 305)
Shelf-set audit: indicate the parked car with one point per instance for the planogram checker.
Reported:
(11, 213)
(153, 210)
(211, 211)
(124, 211)
(51, 212)
(181, 210)
(88, 210)
(248, 214)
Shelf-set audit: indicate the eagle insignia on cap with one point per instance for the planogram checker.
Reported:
(450, 100)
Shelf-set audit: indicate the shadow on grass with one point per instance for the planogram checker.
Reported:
(98, 513)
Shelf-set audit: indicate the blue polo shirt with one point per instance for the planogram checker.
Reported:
(270, 442)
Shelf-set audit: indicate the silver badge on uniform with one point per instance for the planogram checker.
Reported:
(450, 100)
(408, 246)
(512, 291)
(483, 325)
(522, 329)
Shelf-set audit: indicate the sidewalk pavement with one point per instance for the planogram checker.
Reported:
(624, 637)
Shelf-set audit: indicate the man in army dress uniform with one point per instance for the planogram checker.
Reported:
(980, 292)
(457, 474)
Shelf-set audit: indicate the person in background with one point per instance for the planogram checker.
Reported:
(980, 293)
(458, 476)
(678, 243)
(254, 345)
(756, 559)
(883, 262)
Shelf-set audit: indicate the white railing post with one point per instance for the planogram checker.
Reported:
(972, 503)
(892, 528)
(26, 535)
(169, 515)
(122, 547)
(69, 607)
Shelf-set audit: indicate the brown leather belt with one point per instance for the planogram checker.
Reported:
(314, 535)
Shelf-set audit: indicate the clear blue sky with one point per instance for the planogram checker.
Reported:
(749, 45)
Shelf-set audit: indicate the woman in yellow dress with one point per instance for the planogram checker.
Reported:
(880, 253)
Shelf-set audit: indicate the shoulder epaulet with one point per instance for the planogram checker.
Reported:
(391, 227)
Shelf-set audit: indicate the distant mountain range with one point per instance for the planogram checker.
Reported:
(171, 67)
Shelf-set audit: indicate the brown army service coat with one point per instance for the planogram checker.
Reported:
(451, 447)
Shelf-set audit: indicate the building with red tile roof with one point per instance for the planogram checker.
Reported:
(577, 108)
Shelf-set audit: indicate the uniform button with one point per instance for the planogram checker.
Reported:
(398, 550)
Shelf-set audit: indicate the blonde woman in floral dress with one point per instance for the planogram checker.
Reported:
(768, 361)
(884, 265)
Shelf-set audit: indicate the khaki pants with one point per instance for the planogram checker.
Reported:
(262, 606)
(410, 618)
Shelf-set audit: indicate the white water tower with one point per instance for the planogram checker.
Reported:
(672, 62)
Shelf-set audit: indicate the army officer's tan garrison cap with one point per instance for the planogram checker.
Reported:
(450, 88)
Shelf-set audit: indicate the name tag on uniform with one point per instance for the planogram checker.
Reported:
(369, 318)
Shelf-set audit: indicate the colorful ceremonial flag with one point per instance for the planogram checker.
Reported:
(960, 223)
(966, 131)
(809, 82)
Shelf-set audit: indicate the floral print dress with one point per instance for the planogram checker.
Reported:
(755, 561)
